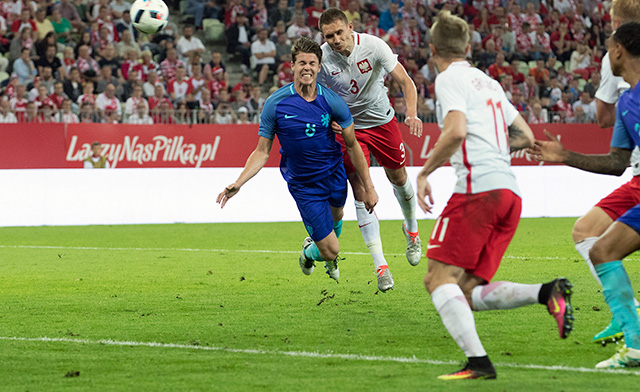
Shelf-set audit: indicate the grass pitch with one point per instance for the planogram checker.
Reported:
(225, 307)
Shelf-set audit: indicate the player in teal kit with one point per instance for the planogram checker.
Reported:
(623, 236)
(300, 114)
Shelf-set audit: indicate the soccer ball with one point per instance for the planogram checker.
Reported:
(149, 16)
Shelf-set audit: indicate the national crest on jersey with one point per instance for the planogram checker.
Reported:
(359, 79)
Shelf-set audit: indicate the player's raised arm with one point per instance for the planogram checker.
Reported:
(410, 94)
(255, 162)
(360, 163)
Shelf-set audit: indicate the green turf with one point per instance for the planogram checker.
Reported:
(202, 286)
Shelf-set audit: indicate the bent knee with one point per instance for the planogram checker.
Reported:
(581, 230)
(600, 253)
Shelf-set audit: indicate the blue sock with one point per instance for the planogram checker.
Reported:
(337, 227)
(313, 253)
(619, 296)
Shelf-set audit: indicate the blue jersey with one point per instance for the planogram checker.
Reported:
(626, 131)
(309, 149)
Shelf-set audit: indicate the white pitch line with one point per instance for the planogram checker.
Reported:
(245, 251)
(307, 354)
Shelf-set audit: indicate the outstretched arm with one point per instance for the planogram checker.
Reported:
(614, 163)
(410, 94)
(255, 162)
(360, 163)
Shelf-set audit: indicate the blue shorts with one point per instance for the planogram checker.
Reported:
(631, 218)
(314, 201)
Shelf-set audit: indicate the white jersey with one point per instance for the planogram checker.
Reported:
(483, 161)
(359, 79)
(609, 91)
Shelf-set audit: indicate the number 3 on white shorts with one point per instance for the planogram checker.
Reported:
(443, 228)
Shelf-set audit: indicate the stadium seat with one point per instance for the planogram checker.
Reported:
(183, 6)
(213, 29)
(524, 67)
(532, 64)
(581, 84)
(557, 65)
(3, 76)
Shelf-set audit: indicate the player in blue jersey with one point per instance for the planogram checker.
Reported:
(300, 114)
(623, 237)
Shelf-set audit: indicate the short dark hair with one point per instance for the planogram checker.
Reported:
(628, 35)
(331, 15)
(305, 45)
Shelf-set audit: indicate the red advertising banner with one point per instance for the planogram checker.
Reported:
(33, 146)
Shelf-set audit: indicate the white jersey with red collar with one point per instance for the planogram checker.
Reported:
(359, 79)
(608, 92)
(483, 162)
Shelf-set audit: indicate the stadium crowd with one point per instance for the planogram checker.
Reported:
(83, 61)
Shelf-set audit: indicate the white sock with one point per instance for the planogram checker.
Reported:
(407, 200)
(457, 317)
(583, 247)
(504, 295)
(370, 229)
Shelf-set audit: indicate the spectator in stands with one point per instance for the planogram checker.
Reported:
(108, 59)
(44, 105)
(563, 107)
(518, 77)
(283, 49)
(524, 43)
(314, 12)
(497, 69)
(556, 91)
(224, 114)
(243, 116)
(164, 113)
(24, 67)
(65, 114)
(68, 12)
(20, 41)
(540, 72)
(188, 45)
(177, 87)
(537, 115)
(47, 79)
(88, 114)
(129, 63)
(239, 37)
(530, 88)
(87, 66)
(588, 106)
(280, 13)
(196, 83)
(52, 61)
(389, 17)
(154, 101)
(299, 28)
(126, 44)
(134, 100)
(264, 56)
(108, 104)
(149, 87)
(61, 26)
(201, 9)
(285, 75)
(87, 94)
(118, 8)
(517, 101)
(19, 101)
(564, 77)
(43, 25)
(487, 56)
(258, 14)
(169, 65)
(140, 116)
(541, 43)
(106, 78)
(217, 83)
(507, 85)
(31, 114)
(581, 60)
(72, 85)
(561, 43)
(125, 24)
(6, 114)
(58, 96)
(25, 21)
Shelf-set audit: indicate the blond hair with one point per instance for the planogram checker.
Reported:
(450, 35)
(625, 10)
